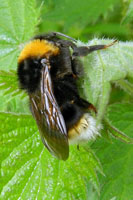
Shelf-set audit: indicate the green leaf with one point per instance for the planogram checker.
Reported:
(104, 67)
(28, 170)
(125, 85)
(119, 134)
(9, 83)
(125, 113)
(10, 94)
(117, 157)
(18, 20)
(17, 24)
(120, 116)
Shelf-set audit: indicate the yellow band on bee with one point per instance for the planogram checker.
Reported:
(38, 48)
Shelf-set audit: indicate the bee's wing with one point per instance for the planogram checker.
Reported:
(49, 118)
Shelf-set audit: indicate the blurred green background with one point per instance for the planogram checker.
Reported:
(88, 18)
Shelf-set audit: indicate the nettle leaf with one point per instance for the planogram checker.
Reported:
(9, 83)
(125, 85)
(18, 20)
(104, 67)
(11, 95)
(120, 117)
(17, 24)
(117, 157)
(29, 171)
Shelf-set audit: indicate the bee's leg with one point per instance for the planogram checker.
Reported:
(84, 50)
(92, 107)
(77, 67)
(85, 105)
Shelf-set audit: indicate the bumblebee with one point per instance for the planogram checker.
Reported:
(48, 69)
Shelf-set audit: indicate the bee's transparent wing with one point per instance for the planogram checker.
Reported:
(49, 118)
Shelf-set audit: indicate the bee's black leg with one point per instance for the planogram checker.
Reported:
(84, 50)
(77, 67)
(93, 108)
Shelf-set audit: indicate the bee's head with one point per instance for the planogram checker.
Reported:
(30, 65)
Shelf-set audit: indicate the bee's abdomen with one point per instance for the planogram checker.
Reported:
(85, 129)
(69, 101)
(71, 113)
